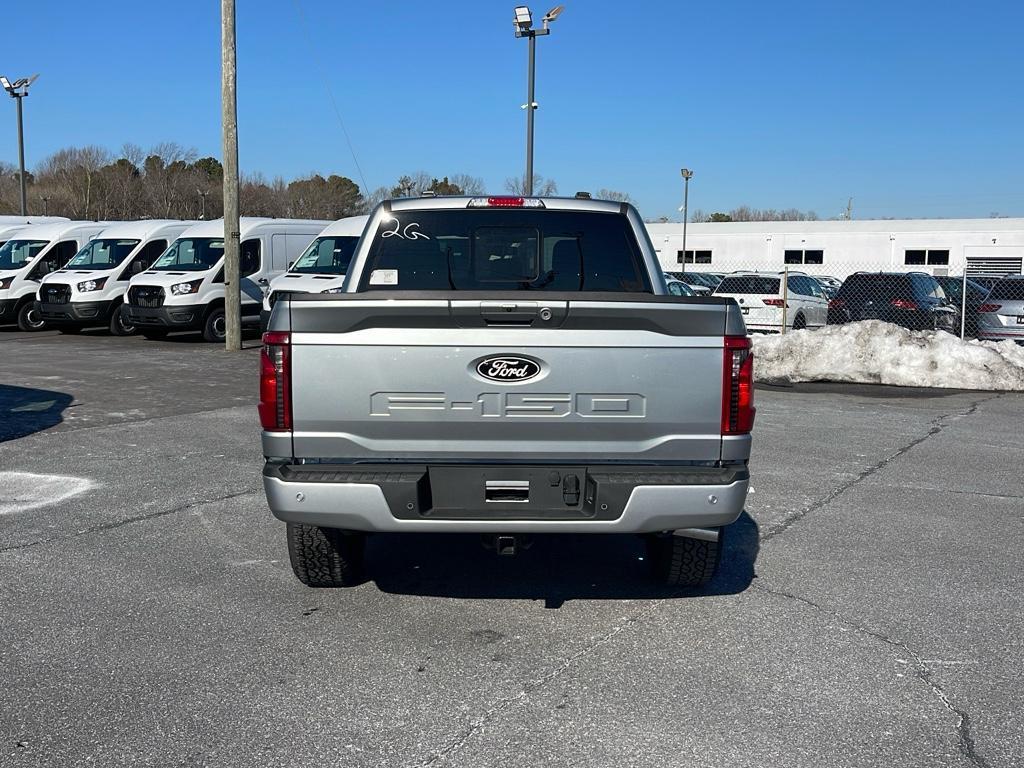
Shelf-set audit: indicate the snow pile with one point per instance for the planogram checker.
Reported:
(874, 352)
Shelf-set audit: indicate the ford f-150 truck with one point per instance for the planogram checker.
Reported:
(508, 366)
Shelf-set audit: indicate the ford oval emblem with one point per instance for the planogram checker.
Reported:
(508, 368)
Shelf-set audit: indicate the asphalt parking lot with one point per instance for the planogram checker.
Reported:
(869, 611)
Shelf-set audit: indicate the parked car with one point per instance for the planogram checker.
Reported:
(709, 280)
(321, 267)
(30, 255)
(11, 225)
(976, 293)
(914, 300)
(184, 289)
(1001, 316)
(760, 296)
(986, 281)
(89, 290)
(830, 285)
(679, 288)
(478, 375)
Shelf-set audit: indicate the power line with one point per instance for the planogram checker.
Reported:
(330, 93)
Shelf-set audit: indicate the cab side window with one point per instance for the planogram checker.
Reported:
(249, 258)
(58, 256)
(144, 259)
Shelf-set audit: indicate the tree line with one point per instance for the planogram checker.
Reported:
(172, 182)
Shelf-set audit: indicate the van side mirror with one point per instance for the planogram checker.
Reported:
(137, 266)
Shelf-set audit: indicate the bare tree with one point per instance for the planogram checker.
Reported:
(75, 173)
(541, 187)
(611, 194)
(470, 185)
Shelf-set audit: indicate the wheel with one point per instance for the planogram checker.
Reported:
(119, 325)
(799, 323)
(678, 561)
(69, 330)
(215, 329)
(325, 557)
(154, 334)
(29, 318)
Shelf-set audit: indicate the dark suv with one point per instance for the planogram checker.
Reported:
(914, 300)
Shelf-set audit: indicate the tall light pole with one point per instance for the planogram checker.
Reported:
(524, 28)
(687, 175)
(18, 90)
(203, 194)
(45, 199)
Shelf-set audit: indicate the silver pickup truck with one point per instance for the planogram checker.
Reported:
(510, 367)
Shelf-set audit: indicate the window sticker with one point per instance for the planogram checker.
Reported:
(384, 277)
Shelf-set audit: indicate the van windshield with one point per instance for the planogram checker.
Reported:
(14, 254)
(102, 254)
(196, 254)
(327, 256)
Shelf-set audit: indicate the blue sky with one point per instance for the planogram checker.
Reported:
(911, 108)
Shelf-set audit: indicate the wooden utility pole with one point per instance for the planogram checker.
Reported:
(229, 131)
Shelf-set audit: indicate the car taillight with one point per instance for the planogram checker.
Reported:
(990, 307)
(773, 302)
(836, 303)
(738, 386)
(276, 382)
(903, 304)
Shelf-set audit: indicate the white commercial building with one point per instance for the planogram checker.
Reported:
(839, 248)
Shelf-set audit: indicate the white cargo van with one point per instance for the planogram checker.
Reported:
(184, 289)
(9, 225)
(321, 267)
(30, 255)
(89, 291)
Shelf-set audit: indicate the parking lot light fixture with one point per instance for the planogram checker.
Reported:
(523, 22)
(18, 90)
(687, 175)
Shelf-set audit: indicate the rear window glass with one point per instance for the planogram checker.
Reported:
(748, 284)
(1008, 290)
(521, 250)
(876, 285)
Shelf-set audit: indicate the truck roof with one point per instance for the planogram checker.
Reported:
(463, 201)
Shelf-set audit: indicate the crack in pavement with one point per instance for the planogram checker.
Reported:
(924, 671)
(938, 424)
(477, 724)
(129, 521)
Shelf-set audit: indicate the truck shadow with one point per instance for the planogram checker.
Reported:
(556, 568)
(25, 410)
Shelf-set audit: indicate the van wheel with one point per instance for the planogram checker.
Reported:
(119, 325)
(799, 323)
(215, 327)
(678, 561)
(325, 557)
(29, 318)
(154, 334)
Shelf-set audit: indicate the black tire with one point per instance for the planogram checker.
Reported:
(678, 561)
(799, 323)
(29, 318)
(214, 329)
(154, 334)
(69, 330)
(325, 557)
(119, 325)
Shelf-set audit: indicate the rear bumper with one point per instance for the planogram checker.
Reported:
(183, 317)
(395, 498)
(76, 312)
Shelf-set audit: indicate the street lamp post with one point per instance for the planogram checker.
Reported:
(45, 199)
(687, 175)
(18, 90)
(203, 194)
(524, 28)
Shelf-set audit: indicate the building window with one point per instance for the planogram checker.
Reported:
(921, 257)
(804, 257)
(694, 257)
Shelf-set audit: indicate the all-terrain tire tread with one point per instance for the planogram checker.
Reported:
(683, 562)
(325, 557)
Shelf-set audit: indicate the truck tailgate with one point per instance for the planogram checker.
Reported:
(412, 379)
